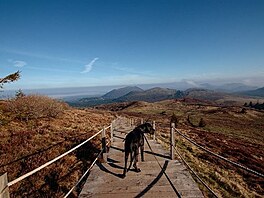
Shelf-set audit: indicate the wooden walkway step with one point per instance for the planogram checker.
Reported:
(105, 179)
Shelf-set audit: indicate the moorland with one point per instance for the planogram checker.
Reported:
(35, 129)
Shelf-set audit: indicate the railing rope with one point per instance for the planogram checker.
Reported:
(221, 157)
(195, 174)
(86, 172)
(52, 161)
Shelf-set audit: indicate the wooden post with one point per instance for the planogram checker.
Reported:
(111, 133)
(113, 123)
(154, 127)
(4, 190)
(172, 141)
(103, 144)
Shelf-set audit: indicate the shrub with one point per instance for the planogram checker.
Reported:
(243, 110)
(20, 93)
(174, 119)
(202, 123)
(189, 121)
(34, 107)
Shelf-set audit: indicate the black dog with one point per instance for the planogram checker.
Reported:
(133, 141)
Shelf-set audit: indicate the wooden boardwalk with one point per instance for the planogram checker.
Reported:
(105, 179)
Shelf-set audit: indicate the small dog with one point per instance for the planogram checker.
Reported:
(135, 141)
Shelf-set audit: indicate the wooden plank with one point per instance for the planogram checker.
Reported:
(3, 182)
(106, 179)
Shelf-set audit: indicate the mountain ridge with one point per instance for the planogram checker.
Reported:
(133, 93)
(150, 95)
(116, 93)
(257, 92)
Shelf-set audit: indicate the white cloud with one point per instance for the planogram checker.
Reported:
(17, 63)
(191, 82)
(89, 66)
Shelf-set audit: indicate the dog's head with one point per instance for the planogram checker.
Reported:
(147, 128)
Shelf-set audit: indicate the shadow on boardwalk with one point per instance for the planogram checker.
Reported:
(160, 176)
(103, 168)
(154, 181)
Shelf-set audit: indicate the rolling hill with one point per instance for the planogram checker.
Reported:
(150, 95)
(129, 94)
(116, 93)
(257, 92)
(228, 87)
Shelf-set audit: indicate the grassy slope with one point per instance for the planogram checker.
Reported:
(27, 145)
(229, 132)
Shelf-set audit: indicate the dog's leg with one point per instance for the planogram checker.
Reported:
(132, 157)
(142, 153)
(136, 161)
(125, 168)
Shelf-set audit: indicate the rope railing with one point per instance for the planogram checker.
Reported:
(86, 172)
(194, 173)
(52, 161)
(7, 184)
(219, 156)
(43, 149)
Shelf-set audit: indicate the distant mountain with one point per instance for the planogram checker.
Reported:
(204, 94)
(89, 101)
(235, 87)
(150, 95)
(229, 87)
(116, 93)
(129, 94)
(257, 92)
(208, 86)
(107, 98)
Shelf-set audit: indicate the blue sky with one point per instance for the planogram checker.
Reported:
(95, 42)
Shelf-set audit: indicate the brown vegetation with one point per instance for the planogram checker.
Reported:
(36, 129)
(232, 132)
(34, 107)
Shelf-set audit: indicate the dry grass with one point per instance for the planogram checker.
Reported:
(33, 107)
(28, 143)
(229, 132)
